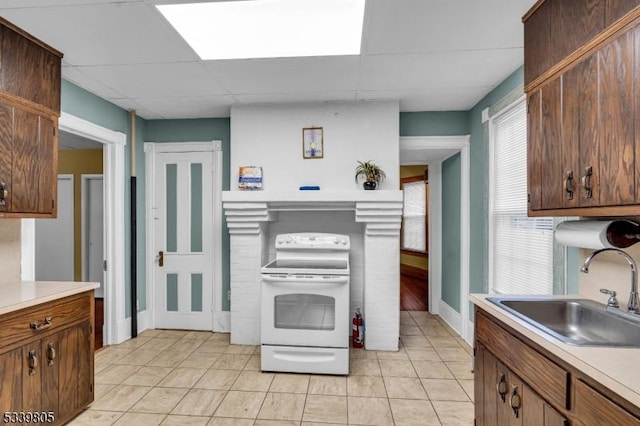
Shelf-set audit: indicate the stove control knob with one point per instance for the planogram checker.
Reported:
(336, 240)
(288, 240)
(280, 240)
(344, 242)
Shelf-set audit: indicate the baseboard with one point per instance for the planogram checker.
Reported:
(414, 272)
(123, 332)
(470, 333)
(222, 322)
(144, 321)
(450, 316)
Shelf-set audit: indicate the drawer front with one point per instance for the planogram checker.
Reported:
(594, 409)
(37, 320)
(544, 376)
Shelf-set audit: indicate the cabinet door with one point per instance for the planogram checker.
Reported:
(537, 33)
(6, 150)
(570, 151)
(573, 23)
(75, 384)
(32, 377)
(528, 408)
(589, 132)
(616, 150)
(33, 180)
(11, 381)
(50, 349)
(552, 169)
(534, 150)
(485, 387)
(30, 71)
(616, 9)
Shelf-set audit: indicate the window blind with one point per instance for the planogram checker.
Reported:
(413, 216)
(520, 248)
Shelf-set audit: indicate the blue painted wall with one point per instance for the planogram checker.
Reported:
(479, 157)
(451, 213)
(439, 123)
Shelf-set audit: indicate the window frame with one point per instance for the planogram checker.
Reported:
(420, 253)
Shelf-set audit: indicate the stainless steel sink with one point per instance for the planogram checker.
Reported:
(575, 321)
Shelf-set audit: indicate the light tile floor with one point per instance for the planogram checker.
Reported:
(168, 377)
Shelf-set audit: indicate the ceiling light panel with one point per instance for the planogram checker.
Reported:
(269, 28)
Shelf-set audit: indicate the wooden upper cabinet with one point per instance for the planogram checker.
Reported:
(573, 23)
(29, 70)
(537, 36)
(616, 9)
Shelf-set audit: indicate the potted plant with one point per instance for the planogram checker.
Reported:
(371, 173)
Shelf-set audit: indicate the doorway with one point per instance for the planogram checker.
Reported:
(414, 253)
(446, 297)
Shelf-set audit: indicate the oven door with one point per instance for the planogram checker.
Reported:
(305, 310)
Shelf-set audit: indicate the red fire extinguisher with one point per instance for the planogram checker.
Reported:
(358, 330)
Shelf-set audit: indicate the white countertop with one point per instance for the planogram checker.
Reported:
(615, 368)
(23, 294)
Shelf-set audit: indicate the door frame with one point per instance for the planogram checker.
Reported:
(151, 149)
(84, 193)
(445, 147)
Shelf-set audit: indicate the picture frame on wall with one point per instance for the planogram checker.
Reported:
(312, 142)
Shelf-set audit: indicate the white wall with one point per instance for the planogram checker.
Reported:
(10, 250)
(271, 136)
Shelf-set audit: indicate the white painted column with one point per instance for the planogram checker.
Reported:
(247, 223)
(382, 273)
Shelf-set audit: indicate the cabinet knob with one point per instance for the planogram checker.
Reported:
(568, 185)
(501, 387)
(4, 193)
(515, 401)
(51, 354)
(33, 362)
(586, 182)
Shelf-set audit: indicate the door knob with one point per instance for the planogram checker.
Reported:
(161, 258)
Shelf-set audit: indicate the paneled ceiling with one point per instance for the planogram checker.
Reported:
(431, 55)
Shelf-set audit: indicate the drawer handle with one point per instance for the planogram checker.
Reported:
(4, 193)
(586, 182)
(41, 326)
(51, 354)
(501, 386)
(33, 362)
(568, 185)
(515, 401)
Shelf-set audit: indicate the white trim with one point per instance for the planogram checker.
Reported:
(456, 144)
(450, 316)
(221, 320)
(83, 219)
(28, 249)
(114, 176)
(470, 333)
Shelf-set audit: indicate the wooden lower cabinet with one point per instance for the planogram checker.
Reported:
(51, 373)
(502, 395)
(504, 399)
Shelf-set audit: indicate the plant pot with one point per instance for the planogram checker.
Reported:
(369, 185)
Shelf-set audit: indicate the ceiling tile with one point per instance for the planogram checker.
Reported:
(413, 26)
(436, 99)
(308, 96)
(440, 69)
(104, 34)
(286, 75)
(186, 107)
(157, 80)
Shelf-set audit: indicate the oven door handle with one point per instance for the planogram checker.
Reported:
(288, 279)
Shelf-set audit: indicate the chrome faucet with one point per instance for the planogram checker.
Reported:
(632, 306)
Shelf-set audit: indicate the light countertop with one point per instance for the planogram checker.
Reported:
(23, 294)
(615, 368)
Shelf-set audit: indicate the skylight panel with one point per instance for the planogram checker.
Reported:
(269, 28)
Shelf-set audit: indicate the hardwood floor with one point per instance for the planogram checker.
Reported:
(413, 293)
(99, 322)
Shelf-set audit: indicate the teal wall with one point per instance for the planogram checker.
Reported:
(479, 172)
(439, 123)
(451, 212)
(195, 130)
